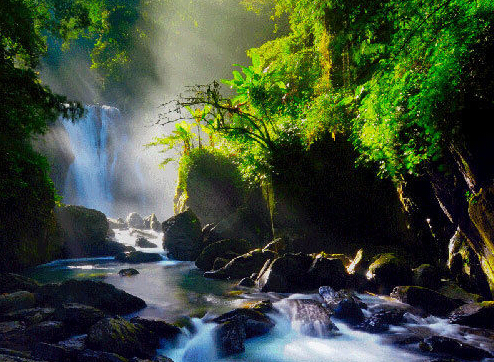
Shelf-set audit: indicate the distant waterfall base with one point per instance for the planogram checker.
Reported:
(98, 170)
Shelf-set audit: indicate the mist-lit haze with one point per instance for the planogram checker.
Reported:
(187, 43)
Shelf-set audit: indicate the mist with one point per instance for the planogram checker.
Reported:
(186, 43)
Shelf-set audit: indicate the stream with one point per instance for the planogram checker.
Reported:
(174, 290)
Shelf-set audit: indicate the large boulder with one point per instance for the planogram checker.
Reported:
(255, 323)
(96, 294)
(10, 282)
(453, 347)
(183, 236)
(116, 335)
(161, 328)
(220, 249)
(389, 270)
(134, 220)
(285, 274)
(230, 337)
(15, 301)
(142, 242)
(426, 299)
(327, 271)
(136, 257)
(478, 315)
(345, 305)
(29, 316)
(84, 231)
(382, 319)
(78, 317)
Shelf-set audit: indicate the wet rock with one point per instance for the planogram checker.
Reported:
(388, 270)
(10, 283)
(78, 317)
(134, 220)
(136, 257)
(13, 358)
(380, 321)
(29, 316)
(119, 224)
(344, 304)
(183, 236)
(254, 322)
(99, 356)
(96, 294)
(309, 317)
(244, 265)
(285, 274)
(116, 335)
(48, 331)
(348, 311)
(128, 272)
(230, 337)
(160, 328)
(427, 276)
(111, 248)
(4, 353)
(13, 336)
(52, 352)
(453, 347)
(327, 271)
(477, 315)
(220, 249)
(426, 299)
(142, 242)
(263, 306)
(15, 301)
(155, 359)
(246, 282)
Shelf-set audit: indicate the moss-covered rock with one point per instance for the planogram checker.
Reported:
(210, 184)
(119, 336)
(477, 315)
(220, 249)
(428, 300)
(389, 270)
(182, 236)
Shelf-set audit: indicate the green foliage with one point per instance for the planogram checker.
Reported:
(391, 76)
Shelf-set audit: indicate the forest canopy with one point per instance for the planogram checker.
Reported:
(390, 76)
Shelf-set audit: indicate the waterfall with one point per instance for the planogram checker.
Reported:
(95, 145)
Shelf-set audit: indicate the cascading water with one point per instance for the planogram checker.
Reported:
(90, 177)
